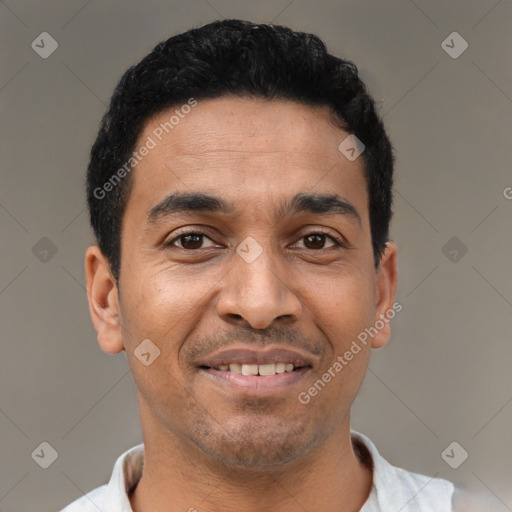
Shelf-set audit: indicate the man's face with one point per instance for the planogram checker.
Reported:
(259, 282)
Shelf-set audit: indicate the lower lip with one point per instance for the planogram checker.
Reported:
(257, 384)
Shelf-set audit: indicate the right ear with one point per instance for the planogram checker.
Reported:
(103, 300)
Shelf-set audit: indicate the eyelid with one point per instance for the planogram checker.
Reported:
(169, 242)
(339, 241)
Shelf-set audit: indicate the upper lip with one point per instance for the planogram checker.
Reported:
(252, 355)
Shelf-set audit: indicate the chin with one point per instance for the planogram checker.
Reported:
(254, 446)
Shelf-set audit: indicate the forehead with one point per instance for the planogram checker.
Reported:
(259, 124)
(245, 148)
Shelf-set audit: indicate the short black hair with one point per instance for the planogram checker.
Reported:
(226, 58)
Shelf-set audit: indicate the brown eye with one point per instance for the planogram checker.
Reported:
(192, 241)
(316, 241)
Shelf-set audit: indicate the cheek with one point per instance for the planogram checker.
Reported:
(166, 307)
(342, 304)
(158, 300)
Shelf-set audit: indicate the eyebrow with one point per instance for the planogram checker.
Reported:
(188, 203)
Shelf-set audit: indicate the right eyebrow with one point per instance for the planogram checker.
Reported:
(179, 202)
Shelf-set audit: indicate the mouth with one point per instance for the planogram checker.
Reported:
(250, 371)
(263, 370)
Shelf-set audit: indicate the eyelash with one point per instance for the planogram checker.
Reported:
(170, 243)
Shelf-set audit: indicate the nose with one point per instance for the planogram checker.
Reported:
(258, 293)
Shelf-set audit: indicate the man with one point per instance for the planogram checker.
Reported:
(240, 192)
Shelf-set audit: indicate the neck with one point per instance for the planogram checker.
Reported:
(178, 477)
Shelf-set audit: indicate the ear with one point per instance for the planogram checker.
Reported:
(386, 280)
(103, 300)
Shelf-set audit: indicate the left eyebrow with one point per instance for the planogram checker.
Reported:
(187, 203)
(319, 204)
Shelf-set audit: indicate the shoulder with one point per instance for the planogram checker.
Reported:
(422, 493)
(398, 489)
(90, 502)
(114, 495)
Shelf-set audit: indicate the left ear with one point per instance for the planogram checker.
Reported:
(386, 280)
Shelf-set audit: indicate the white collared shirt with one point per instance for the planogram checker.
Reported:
(393, 489)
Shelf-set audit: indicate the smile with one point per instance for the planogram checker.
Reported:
(246, 370)
(252, 383)
(257, 369)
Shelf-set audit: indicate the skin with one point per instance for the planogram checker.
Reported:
(206, 446)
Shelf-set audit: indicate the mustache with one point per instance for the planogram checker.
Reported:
(197, 347)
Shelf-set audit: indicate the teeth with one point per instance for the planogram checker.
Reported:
(235, 368)
(255, 369)
(267, 369)
(249, 369)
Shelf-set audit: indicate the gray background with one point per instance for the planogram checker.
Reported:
(445, 376)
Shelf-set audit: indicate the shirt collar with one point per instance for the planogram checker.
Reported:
(128, 471)
(125, 477)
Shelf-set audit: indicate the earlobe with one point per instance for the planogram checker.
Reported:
(386, 281)
(103, 301)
